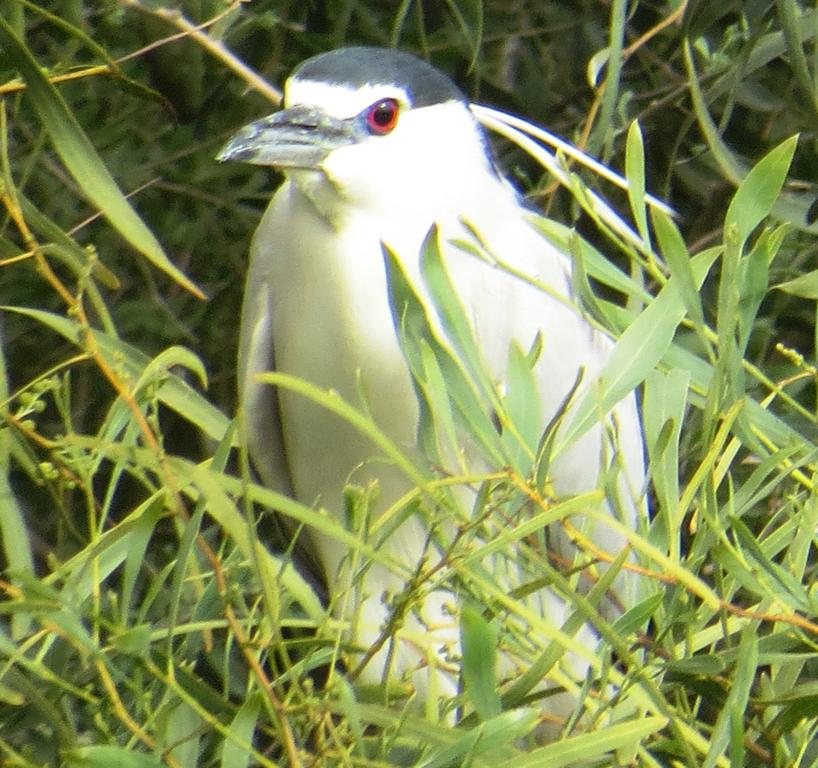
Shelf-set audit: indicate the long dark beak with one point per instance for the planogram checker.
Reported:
(300, 137)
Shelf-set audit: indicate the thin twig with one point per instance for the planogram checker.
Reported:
(215, 47)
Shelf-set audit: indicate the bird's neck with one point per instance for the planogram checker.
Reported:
(393, 215)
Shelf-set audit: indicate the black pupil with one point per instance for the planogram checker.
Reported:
(383, 114)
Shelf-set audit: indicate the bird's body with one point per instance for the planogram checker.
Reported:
(317, 306)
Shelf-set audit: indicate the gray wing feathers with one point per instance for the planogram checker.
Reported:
(261, 419)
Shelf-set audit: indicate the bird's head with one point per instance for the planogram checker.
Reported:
(372, 128)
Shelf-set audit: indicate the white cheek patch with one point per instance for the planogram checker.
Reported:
(338, 100)
(378, 170)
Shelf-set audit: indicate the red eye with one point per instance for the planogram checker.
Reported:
(382, 117)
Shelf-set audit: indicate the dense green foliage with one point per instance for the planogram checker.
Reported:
(145, 622)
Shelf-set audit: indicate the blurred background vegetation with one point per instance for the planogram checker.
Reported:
(714, 87)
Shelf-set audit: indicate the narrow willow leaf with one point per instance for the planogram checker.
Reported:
(139, 537)
(610, 93)
(14, 538)
(805, 286)
(555, 650)
(597, 265)
(728, 379)
(478, 640)
(664, 403)
(522, 407)
(774, 428)
(82, 160)
(70, 252)
(351, 709)
(770, 472)
(441, 445)
(410, 317)
(672, 247)
(792, 208)
(134, 641)
(636, 353)
(107, 553)
(728, 163)
(635, 173)
(795, 592)
(793, 713)
(740, 688)
(236, 748)
(754, 280)
(792, 21)
(703, 664)
(596, 66)
(636, 617)
(173, 391)
(418, 355)
(758, 192)
(487, 737)
(103, 756)
(581, 288)
(217, 491)
(589, 747)
(453, 315)
(182, 733)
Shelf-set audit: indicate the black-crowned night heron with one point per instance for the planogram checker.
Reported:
(376, 147)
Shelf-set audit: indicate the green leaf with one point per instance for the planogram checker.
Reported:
(351, 708)
(610, 93)
(134, 641)
(795, 593)
(704, 664)
(183, 732)
(453, 315)
(217, 491)
(805, 286)
(236, 748)
(173, 391)
(487, 737)
(82, 160)
(740, 688)
(635, 173)
(637, 352)
(665, 400)
(14, 538)
(69, 251)
(478, 639)
(441, 443)
(596, 264)
(758, 192)
(103, 756)
(415, 330)
(139, 538)
(791, 714)
(637, 616)
(792, 21)
(754, 279)
(674, 250)
(588, 747)
(522, 409)
(728, 164)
